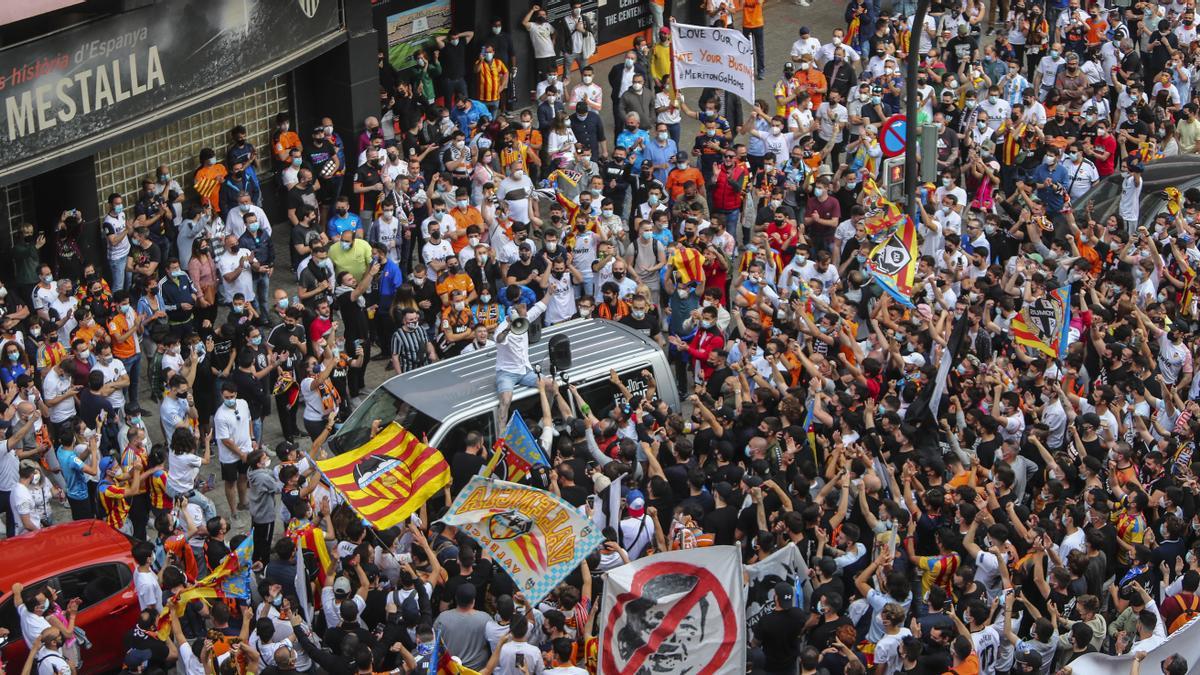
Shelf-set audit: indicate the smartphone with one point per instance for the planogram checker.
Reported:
(519, 660)
(591, 501)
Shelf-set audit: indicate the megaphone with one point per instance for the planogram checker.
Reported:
(519, 325)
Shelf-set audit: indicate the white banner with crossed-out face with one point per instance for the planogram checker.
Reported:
(675, 612)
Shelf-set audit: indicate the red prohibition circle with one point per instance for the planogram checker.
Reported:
(707, 584)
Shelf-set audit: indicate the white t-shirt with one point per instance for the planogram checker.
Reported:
(987, 647)
(114, 371)
(20, 500)
(516, 193)
(887, 651)
(115, 224)
(560, 299)
(512, 355)
(32, 625)
(431, 251)
(314, 411)
(244, 283)
(149, 593)
(182, 470)
(636, 535)
(233, 424)
(10, 466)
(542, 37)
(65, 309)
(53, 386)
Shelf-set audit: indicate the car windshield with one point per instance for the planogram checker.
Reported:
(385, 406)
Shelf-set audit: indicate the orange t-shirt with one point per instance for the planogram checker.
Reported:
(811, 81)
(677, 177)
(464, 218)
(284, 144)
(968, 667)
(93, 334)
(456, 282)
(126, 348)
(752, 14)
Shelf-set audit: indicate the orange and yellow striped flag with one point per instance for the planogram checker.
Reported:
(389, 477)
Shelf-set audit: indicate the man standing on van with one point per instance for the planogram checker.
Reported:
(512, 350)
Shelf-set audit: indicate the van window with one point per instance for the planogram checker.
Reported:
(381, 405)
(92, 585)
(602, 394)
(456, 436)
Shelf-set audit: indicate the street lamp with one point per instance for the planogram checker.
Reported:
(911, 129)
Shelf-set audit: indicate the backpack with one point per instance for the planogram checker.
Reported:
(1190, 607)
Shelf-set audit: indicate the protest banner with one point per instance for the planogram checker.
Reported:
(1184, 642)
(786, 564)
(680, 612)
(720, 58)
(537, 537)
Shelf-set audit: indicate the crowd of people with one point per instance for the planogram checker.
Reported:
(1045, 510)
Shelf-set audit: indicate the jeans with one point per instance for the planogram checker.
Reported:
(133, 366)
(656, 16)
(116, 267)
(453, 89)
(760, 56)
(262, 294)
(287, 417)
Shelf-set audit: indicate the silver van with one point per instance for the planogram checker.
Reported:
(442, 402)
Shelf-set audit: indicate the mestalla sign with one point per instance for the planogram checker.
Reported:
(98, 82)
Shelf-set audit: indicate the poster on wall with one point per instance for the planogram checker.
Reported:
(414, 29)
(622, 18)
(105, 79)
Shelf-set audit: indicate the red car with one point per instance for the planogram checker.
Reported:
(89, 560)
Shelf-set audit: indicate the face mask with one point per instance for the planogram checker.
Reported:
(585, 312)
(118, 209)
(663, 136)
(775, 131)
(682, 293)
(85, 354)
(230, 403)
(647, 236)
(35, 332)
(587, 79)
(706, 323)
(256, 341)
(637, 314)
(345, 246)
(488, 57)
(48, 279)
(628, 63)
(551, 246)
(485, 298)
(819, 193)
(652, 200)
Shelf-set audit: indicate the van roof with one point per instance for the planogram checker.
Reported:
(469, 382)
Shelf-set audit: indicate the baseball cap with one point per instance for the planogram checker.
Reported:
(341, 587)
(752, 480)
(682, 157)
(464, 595)
(914, 360)
(784, 593)
(724, 489)
(636, 502)
(137, 658)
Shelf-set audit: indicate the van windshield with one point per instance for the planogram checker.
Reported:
(386, 406)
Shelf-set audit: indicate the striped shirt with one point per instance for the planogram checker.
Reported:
(112, 498)
(938, 570)
(410, 348)
(491, 77)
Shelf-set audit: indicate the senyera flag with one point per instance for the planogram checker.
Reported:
(893, 262)
(1043, 323)
(389, 477)
(537, 537)
(689, 264)
(675, 612)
